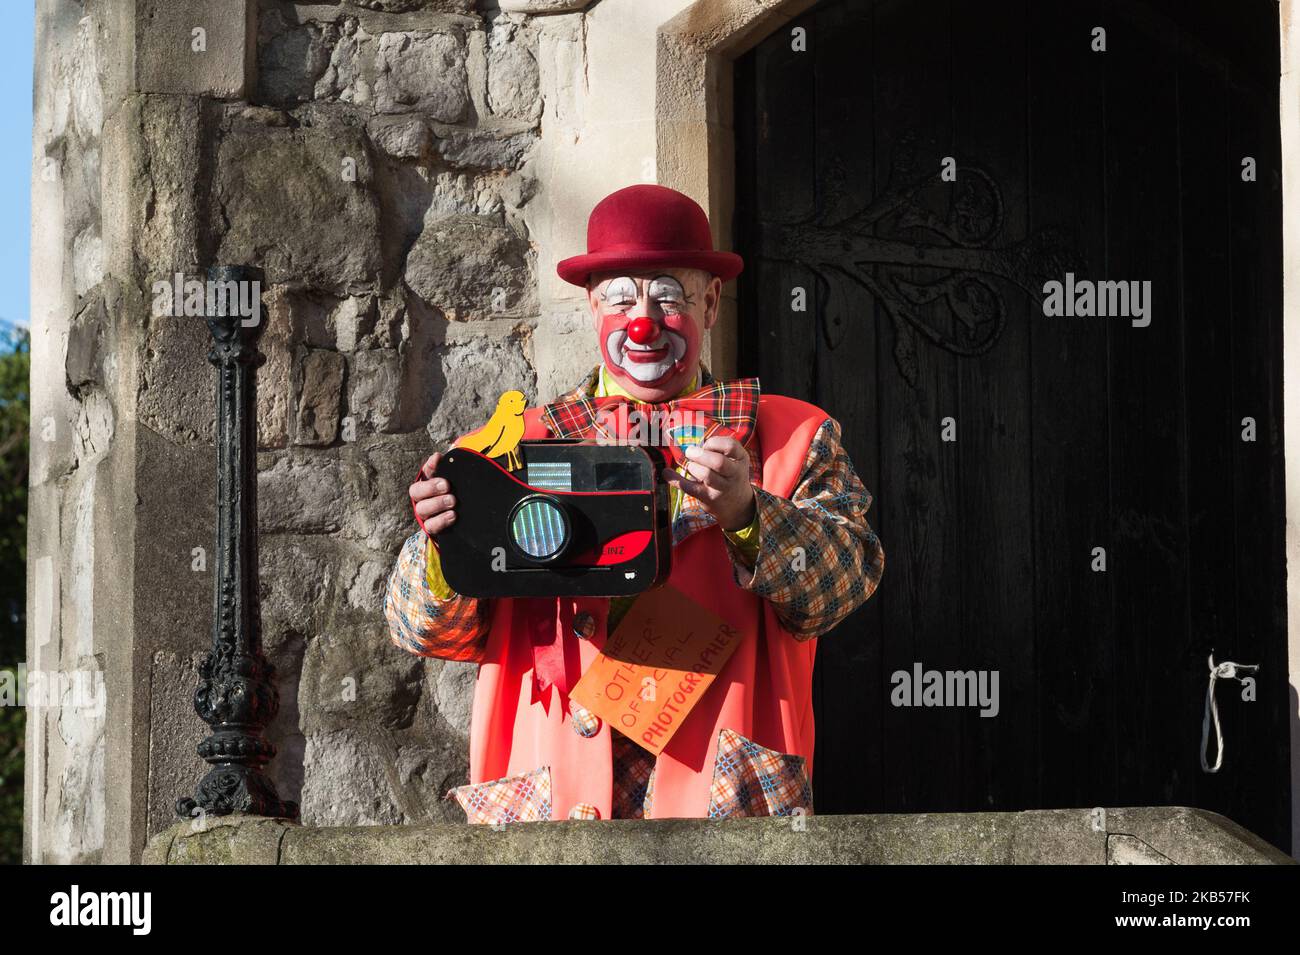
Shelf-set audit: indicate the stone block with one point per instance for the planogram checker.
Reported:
(153, 150)
(471, 267)
(541, 7)
(565, 348)
(349, 76)
(485, 148)
(473, 376)
(226, 840)
(177, 391)
(275, 386)
(298, 579)
(292, 57)
(87, 260)
(174, 732)
(374, 384)
(301, 493)
(513, 87)
(358, 678)
(381, 518)
(174, 512)
(422, 71)
(366, 592)
(1191, 836)
(298, 201)
(318, 403)
(402, 137)
(196, 47)
(348, 780)
(352, 320)
(432, 6)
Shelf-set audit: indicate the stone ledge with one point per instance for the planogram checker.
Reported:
(1160, 835)
(541, 7)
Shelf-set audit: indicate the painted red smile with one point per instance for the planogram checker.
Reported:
(641, 356)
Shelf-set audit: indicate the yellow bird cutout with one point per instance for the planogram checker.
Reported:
(503, 432)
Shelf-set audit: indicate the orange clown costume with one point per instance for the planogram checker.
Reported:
(805, 561)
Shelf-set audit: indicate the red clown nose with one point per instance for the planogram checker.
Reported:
(642, 331)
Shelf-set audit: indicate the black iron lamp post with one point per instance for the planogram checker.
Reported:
(236, 696)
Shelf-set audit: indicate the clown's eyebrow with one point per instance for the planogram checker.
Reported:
(601, 289)
(643, 284)
(675, 288)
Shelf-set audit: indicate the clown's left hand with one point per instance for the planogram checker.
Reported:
(719, 479)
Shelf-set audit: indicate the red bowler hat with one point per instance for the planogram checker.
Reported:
(646, 226)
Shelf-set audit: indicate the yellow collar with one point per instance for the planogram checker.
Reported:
(606, 386)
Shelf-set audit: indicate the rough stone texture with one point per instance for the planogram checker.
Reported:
(301, 493)
(1036, 837)
(155, 146)
(172, 58)
(87, 261)
(513, 75)
(292, 59)
(504, 147)
(1129, 850)
(349, 74)
(225, 841)
(542, 6)
(478, 371)
(470, 268)
(352, 321)
(558, 338)
(275, 378)
(80, 449)
(402, 137)
(1169, 831)
(407, 6)
(318, 406)
(177, 391)
(173, 730)
(295, 200)
(422, 71)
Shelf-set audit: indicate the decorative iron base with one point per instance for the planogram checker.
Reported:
(229, 789)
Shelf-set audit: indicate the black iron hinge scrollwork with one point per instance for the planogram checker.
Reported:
(877, 247)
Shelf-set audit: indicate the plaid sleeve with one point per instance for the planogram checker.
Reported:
(818, 558)
(419, 622)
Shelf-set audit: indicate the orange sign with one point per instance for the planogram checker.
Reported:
(656, 665)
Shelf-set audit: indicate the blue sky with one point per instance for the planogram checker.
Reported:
(16, 41)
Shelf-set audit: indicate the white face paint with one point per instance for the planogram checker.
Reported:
(654, 360)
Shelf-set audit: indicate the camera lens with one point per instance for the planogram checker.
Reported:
(539, 527)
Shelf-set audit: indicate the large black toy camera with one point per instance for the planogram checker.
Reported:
(576, 518)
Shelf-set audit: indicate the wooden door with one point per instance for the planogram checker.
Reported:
(924, 308)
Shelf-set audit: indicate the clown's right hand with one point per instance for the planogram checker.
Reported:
(431, 498)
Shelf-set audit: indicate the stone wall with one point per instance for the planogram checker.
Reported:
(1163, 835)
(379, 160)
(74, 457)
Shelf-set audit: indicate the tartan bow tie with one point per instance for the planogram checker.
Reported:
(733, 404)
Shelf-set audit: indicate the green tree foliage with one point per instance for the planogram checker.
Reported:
(15, 416)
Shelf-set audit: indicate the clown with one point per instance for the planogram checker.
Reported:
(769, 533)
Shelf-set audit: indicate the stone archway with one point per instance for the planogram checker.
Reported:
(695, 138)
